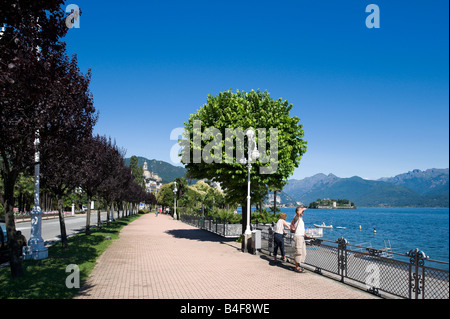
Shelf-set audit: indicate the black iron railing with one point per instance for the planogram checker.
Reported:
(379, 271)
(412, 275)
(217, 226)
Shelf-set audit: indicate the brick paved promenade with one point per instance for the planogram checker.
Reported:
(160, 258)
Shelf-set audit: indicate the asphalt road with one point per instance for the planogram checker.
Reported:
(50, 227)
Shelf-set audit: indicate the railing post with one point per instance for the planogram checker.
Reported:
(416, 280)
(270, 240)
(342, 257)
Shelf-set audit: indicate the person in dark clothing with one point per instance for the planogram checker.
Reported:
(279, 236)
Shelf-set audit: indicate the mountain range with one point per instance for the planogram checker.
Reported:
(429, 188)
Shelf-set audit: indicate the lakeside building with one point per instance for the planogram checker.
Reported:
(153, 182)
(271, 199)
(329, 203)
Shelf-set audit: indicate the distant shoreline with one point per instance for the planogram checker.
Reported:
(418, 207)
(356, 207)
(330, 207)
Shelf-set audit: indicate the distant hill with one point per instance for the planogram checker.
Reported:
(431, 181)
(284, 198)
(429, 188)
(414, 189)
(166, 171)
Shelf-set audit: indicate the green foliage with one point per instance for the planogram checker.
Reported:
(201, 194)
(137, 171)
(79, 198)
(223, 215)
(264, 217)
(165, 195)
(243, 110)
(277, 209)
(23, 193)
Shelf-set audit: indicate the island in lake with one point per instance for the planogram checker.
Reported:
(329, 203)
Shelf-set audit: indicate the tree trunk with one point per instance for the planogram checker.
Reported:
(14, 249)
(99, 217)
(88, 217)
(20, 202)
(274, 203)
(62, 224)
(108, 207)
(112, 211)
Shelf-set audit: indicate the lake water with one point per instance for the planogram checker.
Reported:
(406, 228)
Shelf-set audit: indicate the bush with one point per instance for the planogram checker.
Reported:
(264, 217)
(144, 211)
(230, 217)
(223, 215)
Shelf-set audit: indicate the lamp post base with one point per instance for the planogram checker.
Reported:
(37, 249)
(246, 243)
(36, 253)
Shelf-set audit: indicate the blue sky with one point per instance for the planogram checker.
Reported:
(373, 102)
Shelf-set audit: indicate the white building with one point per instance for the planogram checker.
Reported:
(153, 182)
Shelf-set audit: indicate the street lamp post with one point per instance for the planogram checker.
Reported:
(36, 243)
(37, 249)
(252, 154)
(175, 201)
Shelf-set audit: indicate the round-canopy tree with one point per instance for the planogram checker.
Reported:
(214, 143)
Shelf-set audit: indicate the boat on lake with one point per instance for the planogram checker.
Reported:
(385, 252)
(323, 226)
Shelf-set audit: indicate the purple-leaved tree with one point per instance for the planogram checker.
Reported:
(27, 45)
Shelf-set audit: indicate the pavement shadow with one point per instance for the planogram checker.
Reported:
(85, 290)
(201, 235)
(278, 263)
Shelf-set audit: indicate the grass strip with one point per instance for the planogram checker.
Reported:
(46, 279)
